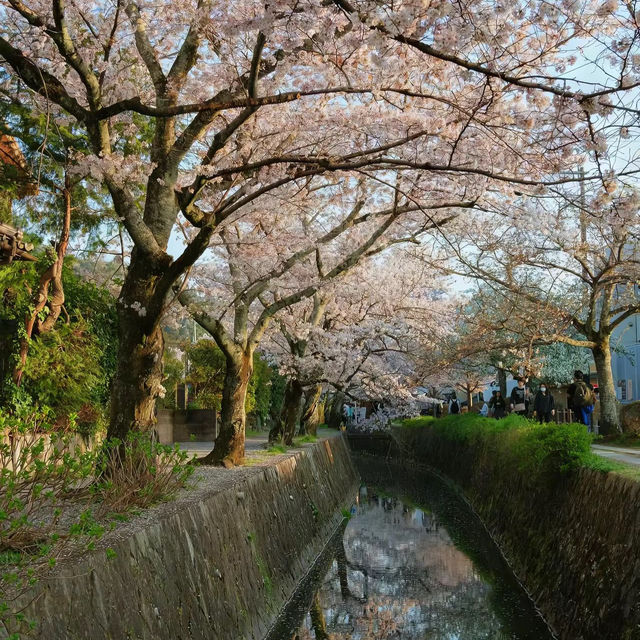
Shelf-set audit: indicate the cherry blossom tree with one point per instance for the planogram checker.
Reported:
(374, 324)
(189, 112)
(268, 262)
(566, 270)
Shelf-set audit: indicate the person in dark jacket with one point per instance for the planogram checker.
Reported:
(519, 398)
(544, 407)
(580, 399)
(499, 406)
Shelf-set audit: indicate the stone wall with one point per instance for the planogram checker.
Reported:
(574, 541)
(183, 425)
(218, 567)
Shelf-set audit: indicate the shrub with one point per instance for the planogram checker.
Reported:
(531, 447)
(39, 468)
(137, 472)
(45, 474)
(630, 418)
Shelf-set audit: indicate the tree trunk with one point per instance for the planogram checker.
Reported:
(139, 372)
(291, 408)
(309, 420)
(275, 432)
(228, 449)
(50, 282)
(335, 414)
(609, 406)
(502, 381)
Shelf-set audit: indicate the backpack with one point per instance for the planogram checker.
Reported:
(455, 407)
(583, 396)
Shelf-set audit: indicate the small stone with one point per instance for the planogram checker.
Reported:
(156, 612)
(217, 573)
(240, 495)
(290, 497)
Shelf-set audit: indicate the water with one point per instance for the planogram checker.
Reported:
(413, 562)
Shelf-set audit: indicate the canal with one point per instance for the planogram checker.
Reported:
(413, 562)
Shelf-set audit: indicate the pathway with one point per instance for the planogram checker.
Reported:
(620, 454)
(252, 443)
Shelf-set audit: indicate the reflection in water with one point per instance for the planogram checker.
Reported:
(416, 566)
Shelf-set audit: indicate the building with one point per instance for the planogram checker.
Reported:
(625, 359)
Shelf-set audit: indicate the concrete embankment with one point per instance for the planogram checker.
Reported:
(221, 566)
(573, 541)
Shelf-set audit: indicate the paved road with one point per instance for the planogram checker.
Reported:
(620, 454)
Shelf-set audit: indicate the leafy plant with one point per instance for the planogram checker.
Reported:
(39, 468)
(137, 472)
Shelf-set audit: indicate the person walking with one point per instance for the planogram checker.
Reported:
(454, 406)
(519, 398)
(544, 407)
(499, 406)
(580, 399)
(492, 402)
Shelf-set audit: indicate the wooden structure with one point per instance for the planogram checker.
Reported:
(15, 182)
(12, 245)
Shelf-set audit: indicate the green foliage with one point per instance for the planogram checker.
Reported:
(305, 439)
(260, 386)
(207, 365)
(535, 449)
(38, 468)
(278, 386)
(70, 367)
(63, 369)
(276, 449)
(173, 376)
(346, 513)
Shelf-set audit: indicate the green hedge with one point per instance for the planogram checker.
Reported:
(531, 447)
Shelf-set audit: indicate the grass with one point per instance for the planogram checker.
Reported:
(305, 439)
(625, 440)
(276, 449)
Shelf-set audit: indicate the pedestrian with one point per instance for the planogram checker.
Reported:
(485, 410)
(580, 399)
(499, 406)
(519, 398)
(492, 402)
(454, 406)
(544, 407)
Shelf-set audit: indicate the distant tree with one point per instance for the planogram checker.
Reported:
(564, 269)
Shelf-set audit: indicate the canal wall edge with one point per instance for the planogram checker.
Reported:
(574, 544)
(221, 567)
